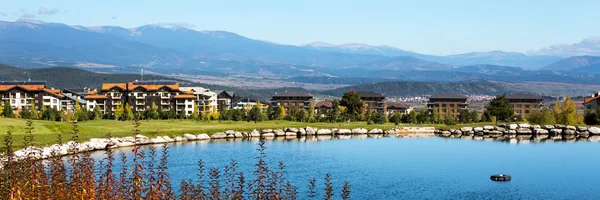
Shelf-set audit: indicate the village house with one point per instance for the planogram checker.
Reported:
(592, 102)
(30, 94)
(524, 104)
(448, 104)
(322, 107)
(292, 100)
(141, 95)
(373, 101)
(225, 100)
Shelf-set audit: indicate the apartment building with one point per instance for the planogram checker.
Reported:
(292, 100)
(524, 104)
(373, 101)
(28, 94)
(225, 100)
(448, 103)
(141, 95)
(399, 108)
(207, 100)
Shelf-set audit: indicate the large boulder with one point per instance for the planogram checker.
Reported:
(524, 131)
(268, 135)
(594, 130)
(524, 126)
(569, 132)
(540, 131)
(465, 129)
(180, 139)
(458, 133)
(254, 133)
(446, 133)
(548, 127)
(555, 131)
(582, 128)
(324, 132)
(310, 131)
(560, 126)
(279, 132)
(291, 133)
(219, 135)
(141, 139)
(158, 140)
(126, 144)
(536, 126)
(190, 137)
(360, 131)
(583, 134)
(301, 132)
(375, 131)
(168, 139)
(488, 128)
(295, 130)
(478, 129)
(238, 135)
(513, 126)
(203, 136)
(266, 131)
(344, 131)
(571, 127)
(229, 132)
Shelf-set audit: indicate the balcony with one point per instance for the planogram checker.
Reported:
(140, 103)
(165, 103)
(180, 102)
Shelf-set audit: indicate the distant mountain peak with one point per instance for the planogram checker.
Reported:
(588, 46)
(318, 44)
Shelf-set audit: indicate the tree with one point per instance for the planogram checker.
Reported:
(195, 112)
(449, 119)
(153, 112)
(464, 116)
(591, 117)
(119, 111)
(396, 118)
(378, 118)
(97, 113)
(271, 114)
(255, 114)
(351, 100)
(128, 114)
(335, 111)
(500, 108)
(436, 116)
(311, 112)
(78, 113)
(282, 113)
(569, 112)
(474, 116)
(556, 112)
(214, 115)
(33, 112)
(7, 110)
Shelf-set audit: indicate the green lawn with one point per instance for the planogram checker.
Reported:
(46, 132)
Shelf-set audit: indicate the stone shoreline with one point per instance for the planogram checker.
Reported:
(513, 132)
(116, 142)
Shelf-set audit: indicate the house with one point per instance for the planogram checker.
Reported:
(322, 107)
(399, 108)
(524, 104)
(141, 95)
(373, 101)
(247, 103)
(28, 94)
(292, 100)
(592, 102)
(225, 100)
(207, 100)
(448, 104)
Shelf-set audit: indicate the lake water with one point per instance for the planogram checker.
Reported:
(413, 168)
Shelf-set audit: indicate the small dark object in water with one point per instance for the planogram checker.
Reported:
(500, 177)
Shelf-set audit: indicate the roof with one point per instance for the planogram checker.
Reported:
(370, 94)
(55, 93)
(524, 96)
(230, 93)
(153, 86)
(244, 100)
(448, 96)
(185, 96)
(327, 104)
(590, 99)
(28, 87)
(81, 101)
(108, 86)
(77, 91)
(292, 94)
(397, 105)
(95, 96)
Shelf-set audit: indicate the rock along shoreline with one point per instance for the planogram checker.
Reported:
(524, 132)
(116, 142)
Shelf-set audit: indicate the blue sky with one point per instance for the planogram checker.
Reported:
(432, 27)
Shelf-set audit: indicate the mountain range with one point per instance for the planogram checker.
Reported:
(178, 50)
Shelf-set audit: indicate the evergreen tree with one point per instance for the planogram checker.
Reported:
(271, 113)
(464, 116)
(171, 114)
(335, 111)
(396, 118)
(436, 115)
(474, 116)
(351, 100)
(569, 112)
(33, 113)
(238, 114)
(7, 110)
(449, 119)
(500, 108)
(591, 117)
(311, 112)
(97, 113)
(256, 114)
(181, 114)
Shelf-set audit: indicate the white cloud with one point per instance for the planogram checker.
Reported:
(46, 11)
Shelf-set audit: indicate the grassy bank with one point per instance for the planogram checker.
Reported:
(46, 131)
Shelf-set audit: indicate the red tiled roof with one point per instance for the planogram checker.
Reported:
(95, 97)
(55, 93)
(108, 86)
(590, 99)
(327, 104)
(397, 106)
(24, 87)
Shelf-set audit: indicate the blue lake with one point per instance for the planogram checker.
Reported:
(412, 168)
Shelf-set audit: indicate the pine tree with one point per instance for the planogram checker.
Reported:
(474, 116)
(271, 113)
(335, 111)
(7, 110)
(500, 108)
(351, 100)
(33, 113)
(97, 113)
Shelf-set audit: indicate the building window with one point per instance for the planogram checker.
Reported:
(22, 100)
(36, 101)
(54, 100)
(527, 106)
